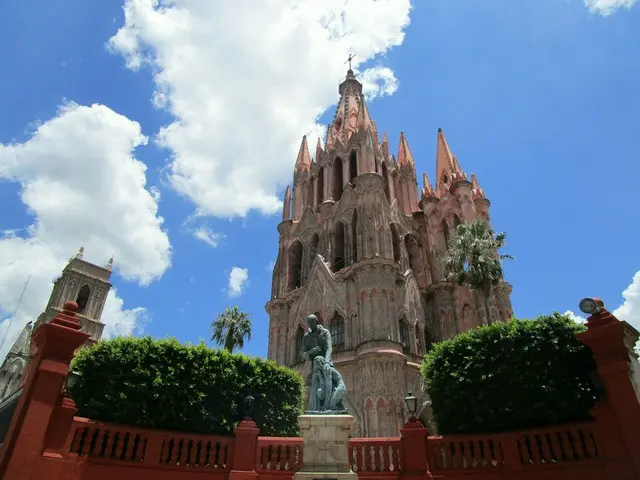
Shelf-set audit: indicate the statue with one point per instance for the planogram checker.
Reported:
(327, 385)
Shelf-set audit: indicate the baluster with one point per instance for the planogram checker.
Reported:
(540, 448)
(131, 443)
(358, 449)
(98, 449)
(467, 454)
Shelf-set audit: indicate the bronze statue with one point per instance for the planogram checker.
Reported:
(327, 385)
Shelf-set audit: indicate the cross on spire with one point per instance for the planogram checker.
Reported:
(351, 56)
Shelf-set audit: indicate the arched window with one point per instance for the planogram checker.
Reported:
(428, 342)
(320, 187)
(337, 179)
(413, 251)
(299, 337)
(385, 176)
(353, 167)
(404, 336)
(338, 247)
(83, 298)
(445, 232)
(295, 265)
(354, 237)
(336, 328)
(419, 346)
(395, 242)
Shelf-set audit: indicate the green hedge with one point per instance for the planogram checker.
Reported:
(509, 376)
(164, 384)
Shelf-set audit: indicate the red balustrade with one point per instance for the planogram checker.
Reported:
(279, 454)
(375, 455)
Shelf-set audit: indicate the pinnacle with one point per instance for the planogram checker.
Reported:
(304, 159)
(404, 153)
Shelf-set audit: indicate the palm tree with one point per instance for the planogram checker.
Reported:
(231, 328)
(473, 258)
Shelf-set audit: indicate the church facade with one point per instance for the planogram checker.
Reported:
(362, 248)
(84, 283)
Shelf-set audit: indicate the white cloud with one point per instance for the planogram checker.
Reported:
(208, 236)
(246, 79)
(629, 311)
(80, 181)
(607, 7)
(576, 318)
(238, 280)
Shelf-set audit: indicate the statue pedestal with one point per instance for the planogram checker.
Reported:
(325, 443)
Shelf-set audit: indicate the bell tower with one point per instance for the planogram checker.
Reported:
(87, 285)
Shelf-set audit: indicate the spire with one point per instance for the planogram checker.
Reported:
(427, 189)
(448, 169)
(478, 192)
(404, 153)
(110, 264)
(286, 204)
(318, 150)
(22, 346)
(351, 112)
(385, 144)
(364, 120)
(303, 162)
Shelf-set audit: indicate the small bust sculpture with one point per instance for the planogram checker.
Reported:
(327, 385)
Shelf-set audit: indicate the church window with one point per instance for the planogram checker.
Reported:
(395, 242)
(295, 265)
(385, 176)
(413, 251)
(404, 336)
(337, 179)
(299, 337)
(467, 318)
(428, 342)
(353, 167)
(354, 237)
(419, 346)
(83, 298)
(336, 328)
(320, 187)
(338, 247)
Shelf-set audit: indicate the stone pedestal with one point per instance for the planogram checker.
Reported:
(325, 443)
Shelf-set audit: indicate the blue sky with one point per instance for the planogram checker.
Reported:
(166, 136)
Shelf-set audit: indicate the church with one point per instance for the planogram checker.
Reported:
(81, 281)
(362, 248)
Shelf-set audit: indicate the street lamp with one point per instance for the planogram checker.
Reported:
(591, 306)
(412, 405)
(72, 380)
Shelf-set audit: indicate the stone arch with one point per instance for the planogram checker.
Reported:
(413, 252)
(320, 186)
(336, 328)
(83, 298)
(295, 265)
(445, 233)
(338, 247)
(385, 176)
(337, 179)
(353, 167)
(395, 243)
(314, 243)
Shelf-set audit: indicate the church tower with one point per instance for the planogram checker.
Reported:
(84, 283)
(362, 248)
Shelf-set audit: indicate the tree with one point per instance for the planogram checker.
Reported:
(473, 258)
(231, 328)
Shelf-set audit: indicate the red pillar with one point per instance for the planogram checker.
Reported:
(54, 344)
(413, 439)
(244, 451)
(618, 415)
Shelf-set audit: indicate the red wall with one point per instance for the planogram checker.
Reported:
(46, 441)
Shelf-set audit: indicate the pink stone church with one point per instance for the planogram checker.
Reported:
(361, 249)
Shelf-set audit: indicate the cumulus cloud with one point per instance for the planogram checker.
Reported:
(607, 7)
(238, 280)
(630, 308)
(245, 80)
(81, 183)
(573, 316)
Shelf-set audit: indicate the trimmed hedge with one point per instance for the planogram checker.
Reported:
(510, 376)
(166, 385)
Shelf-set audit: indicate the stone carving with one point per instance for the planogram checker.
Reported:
(327, 384)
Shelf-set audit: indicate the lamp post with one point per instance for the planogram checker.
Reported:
(72, 380)
(412, 405)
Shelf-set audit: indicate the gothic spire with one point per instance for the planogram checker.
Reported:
(404, 153)
(478, 192)
(303, 162)
(286, 204)
(448, 169)
(427, 189)
(318, 150)
(351, 112)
